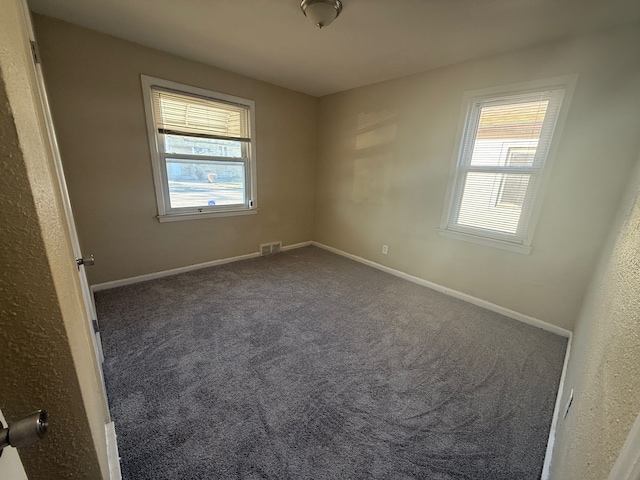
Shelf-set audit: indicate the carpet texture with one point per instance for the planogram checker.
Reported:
(307, 365)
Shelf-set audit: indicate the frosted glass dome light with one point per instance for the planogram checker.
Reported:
(321, 12)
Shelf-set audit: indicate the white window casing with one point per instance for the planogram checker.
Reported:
(506, 141)
(203, 151)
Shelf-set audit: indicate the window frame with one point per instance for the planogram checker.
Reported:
(469, 116)
(159, 156)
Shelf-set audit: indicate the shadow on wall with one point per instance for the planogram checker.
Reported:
(373, 164)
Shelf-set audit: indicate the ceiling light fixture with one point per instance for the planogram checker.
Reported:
(321, 12)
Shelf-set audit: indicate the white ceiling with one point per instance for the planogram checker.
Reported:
(371, 41)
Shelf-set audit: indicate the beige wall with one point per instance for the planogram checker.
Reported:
(604, 368)
(47, 357)
(96, 101)
(394, 193)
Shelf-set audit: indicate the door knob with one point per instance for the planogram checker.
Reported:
(25, 431)
(86, 261)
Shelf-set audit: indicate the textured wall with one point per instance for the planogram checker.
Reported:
(96, 101)
(389, 187)
(46, 359)
(604, 368)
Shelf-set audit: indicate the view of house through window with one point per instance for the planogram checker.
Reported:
(514, 187)
(503, 151)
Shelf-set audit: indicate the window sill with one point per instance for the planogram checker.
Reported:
(176, 217)
(486, 241)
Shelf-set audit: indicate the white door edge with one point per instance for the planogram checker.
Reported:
(627, 466)
(112, 452)
(10, 464)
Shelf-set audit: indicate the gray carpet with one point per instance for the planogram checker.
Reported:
(306, 365)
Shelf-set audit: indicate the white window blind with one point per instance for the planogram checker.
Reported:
(503, 151)
(189, 115)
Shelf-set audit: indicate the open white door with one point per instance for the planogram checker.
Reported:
(10, 465)
(48, 132)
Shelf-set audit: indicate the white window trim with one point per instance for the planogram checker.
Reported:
(568, 82)
(164, 211)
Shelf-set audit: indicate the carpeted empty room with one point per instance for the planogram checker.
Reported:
(308, 365)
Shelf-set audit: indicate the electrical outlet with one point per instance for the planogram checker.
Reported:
(385, 249)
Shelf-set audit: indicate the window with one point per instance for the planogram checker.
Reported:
(203, 151)
(504, 146)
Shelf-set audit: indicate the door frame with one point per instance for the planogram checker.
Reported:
(51, 144)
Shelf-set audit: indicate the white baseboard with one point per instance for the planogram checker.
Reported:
(167, 273)
(175, 271)
(546, 468)
(454, 293)
(420, 281)
(112, 452)
(297, 245)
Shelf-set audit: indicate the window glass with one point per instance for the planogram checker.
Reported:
(204, 184)
(211, 147)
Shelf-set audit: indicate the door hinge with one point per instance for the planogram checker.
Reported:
(87, 261)
(34, 51)
(96, 327)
